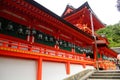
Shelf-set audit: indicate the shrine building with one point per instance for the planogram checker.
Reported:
(37, 44)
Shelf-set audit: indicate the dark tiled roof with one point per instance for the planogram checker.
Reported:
(68, 6)
(80, 8)
(56, 16)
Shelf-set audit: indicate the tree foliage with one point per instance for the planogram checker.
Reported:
(112, 33)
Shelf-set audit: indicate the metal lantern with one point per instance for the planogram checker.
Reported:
(60, 42)
(20, 30)
(27, 32)
(81, 50)
(34, 31)
(46, 38)
(73, 46)
(40, 36)
(64, 44)
(78, 48)
(10, 26)
(51, 39)
(57, 42)
(69, 45)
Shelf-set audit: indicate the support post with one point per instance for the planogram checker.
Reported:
(84, 65)
(95, 43)
(68, 68)
(94, 53)
(39, 69)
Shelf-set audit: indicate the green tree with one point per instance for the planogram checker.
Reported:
(112, 33)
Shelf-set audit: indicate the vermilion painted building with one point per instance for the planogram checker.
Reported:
(36, 44)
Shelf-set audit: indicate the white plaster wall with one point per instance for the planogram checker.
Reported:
(17, 69)
(75, 68)
(57, 71)
(53, 71)
(89, 67)
(21, 69)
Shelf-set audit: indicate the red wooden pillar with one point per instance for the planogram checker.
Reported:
(68, 67)
(94, 53)
(84, 65)
(39, 69)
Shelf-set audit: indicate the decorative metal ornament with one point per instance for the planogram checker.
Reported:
(27, 32)
(46, 38)
(34, 31)
(20, 30)
(64, 44)
(51, 39)
(81, 50)
(40, 36)
(10, 26)
(57, 42)
(78, 48)
(60, 42)
(73, 46)
(69, 45)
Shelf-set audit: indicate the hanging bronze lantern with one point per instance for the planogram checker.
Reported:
(51, 39)
(40, 36)
(46, 38)
(34, 31)
(27, 32)
(20, 30)
(10, 26)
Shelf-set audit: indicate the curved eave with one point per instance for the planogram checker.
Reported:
(111, 52)
(97, 23)
(68, 7)
(78, 9)
(57, 17)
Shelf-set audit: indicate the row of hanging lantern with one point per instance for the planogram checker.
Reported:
(63, 43)
(21, 30)
(10, 27)
(109, 58)
(45, 37)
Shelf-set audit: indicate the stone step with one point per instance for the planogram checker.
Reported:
(108, 71)
(106, 74)
(104, 77)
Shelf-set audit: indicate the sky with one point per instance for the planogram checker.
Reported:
(105, 10)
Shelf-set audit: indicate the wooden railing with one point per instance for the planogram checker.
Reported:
(42, 49)
(107, 65)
